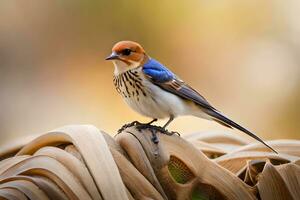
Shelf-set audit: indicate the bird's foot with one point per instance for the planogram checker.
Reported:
(170, 133)
(138, 124)
(153, 129)
(134, 123)
(156, 129)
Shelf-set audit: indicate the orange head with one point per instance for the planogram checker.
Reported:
(130, 53)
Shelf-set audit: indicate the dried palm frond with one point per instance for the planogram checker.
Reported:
(81, 162)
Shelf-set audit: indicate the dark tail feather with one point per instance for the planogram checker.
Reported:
(229, 123)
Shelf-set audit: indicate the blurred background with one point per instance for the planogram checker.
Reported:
(243, 56)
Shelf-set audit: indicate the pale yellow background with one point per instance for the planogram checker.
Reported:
(243, 56)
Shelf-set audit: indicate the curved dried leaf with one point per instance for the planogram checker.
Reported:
(77, 168)
(139, 159)
(236, 161)
(72, 150)
(111, 142)
(9, 162)
(11, 194)
(45, 184)
(291, 176)
(271, 185)
(54, 170)
(290, 147)
(11, 148)
(92, 146)
(26, 187)
(137, 184)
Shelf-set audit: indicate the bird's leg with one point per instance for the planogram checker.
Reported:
(157, 128)
(165, 131)
(168, 122)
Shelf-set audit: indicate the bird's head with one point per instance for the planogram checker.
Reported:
(127, 55)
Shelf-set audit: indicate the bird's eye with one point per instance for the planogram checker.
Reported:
(126, 52)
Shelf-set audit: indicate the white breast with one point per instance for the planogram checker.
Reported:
(150, 100)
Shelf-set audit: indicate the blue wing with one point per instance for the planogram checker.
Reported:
(165, 79)
(157, 72)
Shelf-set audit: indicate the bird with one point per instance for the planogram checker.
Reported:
(154, 91)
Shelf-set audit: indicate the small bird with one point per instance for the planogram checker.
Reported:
(152, 90)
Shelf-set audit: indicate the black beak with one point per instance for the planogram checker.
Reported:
(112, 56)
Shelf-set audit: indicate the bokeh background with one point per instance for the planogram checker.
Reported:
(243, 56)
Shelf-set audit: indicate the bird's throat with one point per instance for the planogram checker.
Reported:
(121, 67)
